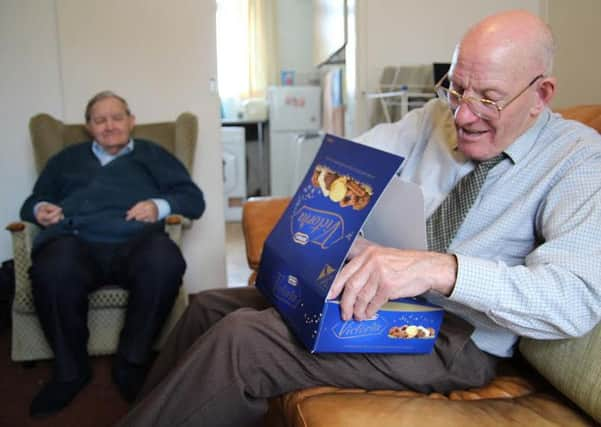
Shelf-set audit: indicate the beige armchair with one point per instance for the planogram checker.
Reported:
(107, 305)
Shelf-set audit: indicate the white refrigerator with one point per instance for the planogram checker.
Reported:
(294, 122)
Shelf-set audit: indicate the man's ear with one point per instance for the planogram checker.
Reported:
(545, 92)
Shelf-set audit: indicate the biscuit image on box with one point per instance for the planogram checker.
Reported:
(341, 189)
(411, 331)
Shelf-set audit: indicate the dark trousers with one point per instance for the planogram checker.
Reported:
(66, 269)
(231, 351)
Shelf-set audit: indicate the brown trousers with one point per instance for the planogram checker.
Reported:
(231, 351)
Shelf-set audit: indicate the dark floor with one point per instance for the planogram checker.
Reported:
(97, 405)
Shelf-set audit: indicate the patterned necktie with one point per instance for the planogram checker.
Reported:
(445, 221)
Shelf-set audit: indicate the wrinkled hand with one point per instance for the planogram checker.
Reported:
(359, 246)
(48, 214)
(378, 274)
(144, 211)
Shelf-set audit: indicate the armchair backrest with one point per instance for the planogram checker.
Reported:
(50, 135)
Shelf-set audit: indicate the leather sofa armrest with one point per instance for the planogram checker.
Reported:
(590, 115)
(507, 400)
(259, 216)
(357, 410)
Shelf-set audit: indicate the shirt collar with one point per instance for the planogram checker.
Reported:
(101, 152)
(523, 144)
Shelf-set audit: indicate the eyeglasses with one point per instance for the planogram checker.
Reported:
(484, 108)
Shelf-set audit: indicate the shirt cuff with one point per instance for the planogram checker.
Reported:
(476, 282)
(36, 207)
(163, 208)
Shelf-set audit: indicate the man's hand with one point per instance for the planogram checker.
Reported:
(359, 246)
(145, 211)
(379, 274)
(48, 214)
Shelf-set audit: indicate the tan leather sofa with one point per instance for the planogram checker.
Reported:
(548, 383)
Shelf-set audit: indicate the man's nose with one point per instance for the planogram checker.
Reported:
(464, 114)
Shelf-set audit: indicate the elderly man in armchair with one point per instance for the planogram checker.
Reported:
(101, 205)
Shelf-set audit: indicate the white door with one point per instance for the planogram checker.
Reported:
(305, 148)
(291, 154)
(234, 171)
(281, 162)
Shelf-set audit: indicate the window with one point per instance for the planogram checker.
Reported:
(232, 48)
(246, 58)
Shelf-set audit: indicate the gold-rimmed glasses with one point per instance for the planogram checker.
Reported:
(484, 108)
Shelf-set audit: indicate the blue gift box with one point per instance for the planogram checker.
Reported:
(309, 245)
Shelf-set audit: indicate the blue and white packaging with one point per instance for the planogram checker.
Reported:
(309, 244)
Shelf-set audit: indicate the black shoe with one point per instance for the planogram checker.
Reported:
(55, 395)
(129, 378)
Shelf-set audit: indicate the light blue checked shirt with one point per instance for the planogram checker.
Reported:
(529, 250)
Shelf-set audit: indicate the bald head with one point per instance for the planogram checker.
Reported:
(517, 35)
(502, 64)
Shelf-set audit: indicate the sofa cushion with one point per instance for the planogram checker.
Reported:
(359, 410)
(572, 366)
(507, 400)
(105, 297)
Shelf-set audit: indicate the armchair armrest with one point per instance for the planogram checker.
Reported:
(23, 234)
(174, 225)
(259, 216)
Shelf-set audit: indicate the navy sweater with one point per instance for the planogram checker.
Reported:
(95, 198)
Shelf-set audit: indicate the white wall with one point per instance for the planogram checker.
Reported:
(423, 32)
(30, 84)
(403, 32)
(578, 63)
(159, 55)
(295, 36)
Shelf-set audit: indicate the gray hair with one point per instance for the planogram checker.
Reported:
(99, 97)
